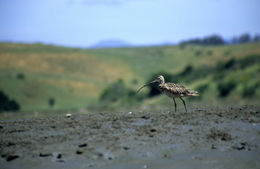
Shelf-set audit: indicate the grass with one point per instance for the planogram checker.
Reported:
(76, 78)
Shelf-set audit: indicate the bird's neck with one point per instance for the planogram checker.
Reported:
(162, 83)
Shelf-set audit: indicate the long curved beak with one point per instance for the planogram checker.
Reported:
(145, 85)
(154, 81)
(142, 87)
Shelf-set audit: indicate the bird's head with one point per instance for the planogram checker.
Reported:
(159, 79)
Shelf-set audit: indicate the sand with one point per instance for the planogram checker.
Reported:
(202, 138)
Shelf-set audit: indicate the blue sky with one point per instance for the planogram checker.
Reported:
(82, 23)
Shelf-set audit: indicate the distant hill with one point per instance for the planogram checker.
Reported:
(111, 44)
(42, 77)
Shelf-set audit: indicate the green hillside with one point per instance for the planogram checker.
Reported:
(35, 74)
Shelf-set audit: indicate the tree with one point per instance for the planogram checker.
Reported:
(256, 38)
(234, 40)
(244, 38)
(213, 40)
(209, 40)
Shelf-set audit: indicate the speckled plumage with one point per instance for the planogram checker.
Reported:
(176, 90)
(173, 90)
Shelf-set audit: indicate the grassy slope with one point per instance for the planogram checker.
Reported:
(76, 77)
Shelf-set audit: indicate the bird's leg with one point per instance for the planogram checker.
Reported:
(175, 105)
(184, 104)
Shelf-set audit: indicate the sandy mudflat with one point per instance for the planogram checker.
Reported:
(203, 138)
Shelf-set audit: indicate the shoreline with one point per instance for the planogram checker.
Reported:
(202, 138)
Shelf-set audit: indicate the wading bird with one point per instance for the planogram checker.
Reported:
(172, 90)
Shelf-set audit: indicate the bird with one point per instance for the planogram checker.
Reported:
(172, 90)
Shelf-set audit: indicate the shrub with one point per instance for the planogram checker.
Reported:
(20, 76)
(218, 76)
(118, 92)
(182, 46)
(227, 52)
(209, 52)
(113, 92)
(198, 53)
(226, 87)
(6, 104)
(229, 64)
(241, 63)
(202, 88)
(190, 74)
(51, 102)
(134, 81)
(250, 89)
(186, 71)
(249, 60)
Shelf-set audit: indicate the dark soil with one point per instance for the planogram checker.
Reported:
(202, 138)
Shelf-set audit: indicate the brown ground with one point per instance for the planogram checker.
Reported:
(202, 138)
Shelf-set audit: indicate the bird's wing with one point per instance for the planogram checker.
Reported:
(181, 90)
(176, 88)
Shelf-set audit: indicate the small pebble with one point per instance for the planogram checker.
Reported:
(10, 144)
(91, 165)
(166, 156)
(12, 157)
(213, 147)
(196, 158)
(126, 148)
(79, 152)
(153, 130)
(83, 145)
(145, 117)
(44, 154)
(100, 154)
(130, 112)
(68, 115)
(57, 155)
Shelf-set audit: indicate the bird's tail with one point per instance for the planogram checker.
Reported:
(193, 93)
